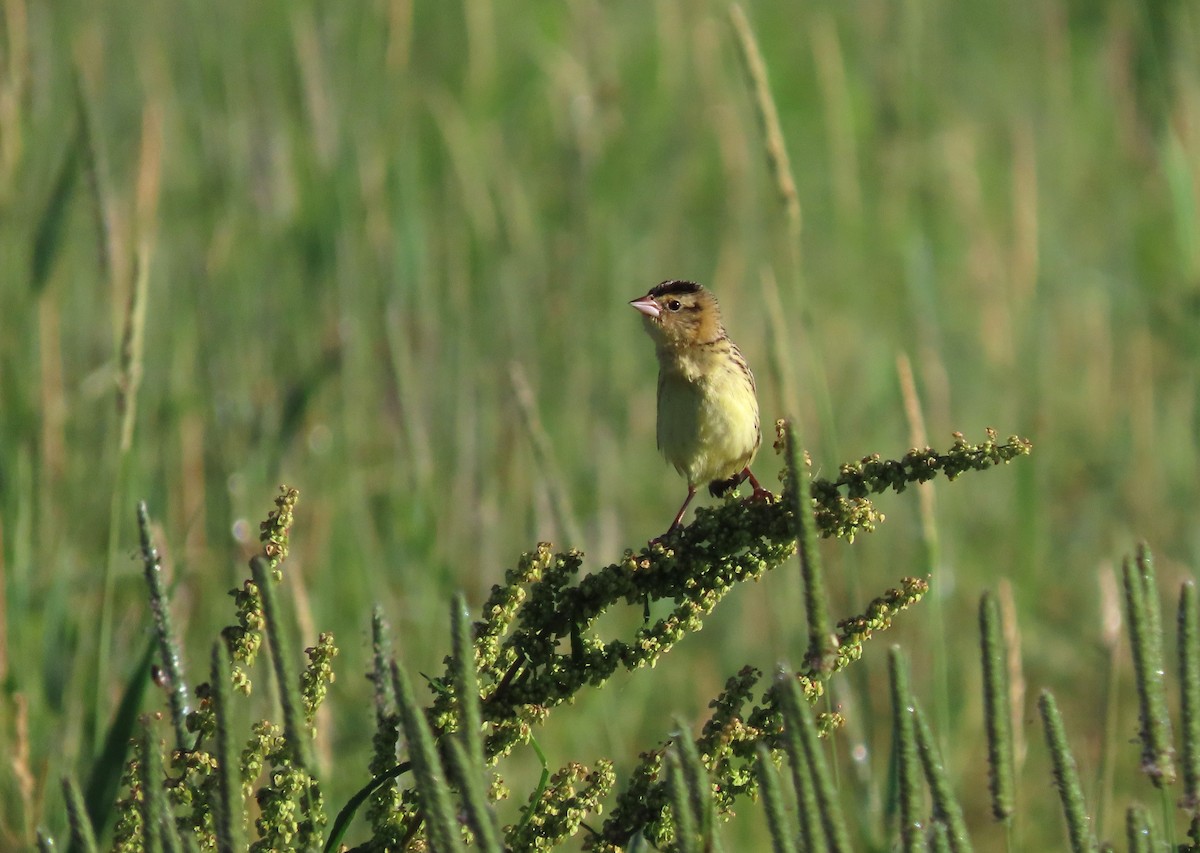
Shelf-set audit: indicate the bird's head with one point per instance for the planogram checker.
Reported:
(680, 314)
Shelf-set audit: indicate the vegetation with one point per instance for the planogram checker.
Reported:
(382, 253)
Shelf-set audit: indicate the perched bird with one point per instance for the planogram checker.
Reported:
(707, 404)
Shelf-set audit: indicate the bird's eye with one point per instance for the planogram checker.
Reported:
(673, 305)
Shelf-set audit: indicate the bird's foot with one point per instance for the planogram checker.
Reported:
(759, 494)
(660, 540)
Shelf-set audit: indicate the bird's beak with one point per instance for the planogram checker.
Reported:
(647, 306)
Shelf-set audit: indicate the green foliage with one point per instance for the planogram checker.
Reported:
(506, 675)
(330, 237)
(500, 686)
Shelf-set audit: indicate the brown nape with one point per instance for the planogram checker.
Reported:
(673, 288)
(708, 327)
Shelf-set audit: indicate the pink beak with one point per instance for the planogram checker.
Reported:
(647, 306)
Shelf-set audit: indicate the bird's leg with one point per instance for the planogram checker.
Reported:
(759, 491)
(683, 509)
(678, 515)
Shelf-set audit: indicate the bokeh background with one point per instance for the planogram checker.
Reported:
(386, 249)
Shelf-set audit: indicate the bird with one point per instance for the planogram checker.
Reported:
(708, 426)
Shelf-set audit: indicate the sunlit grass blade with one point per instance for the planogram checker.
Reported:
(170, 653)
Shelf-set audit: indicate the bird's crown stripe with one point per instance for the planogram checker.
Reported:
(674, 288)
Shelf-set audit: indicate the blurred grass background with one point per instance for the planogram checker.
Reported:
(362, 229)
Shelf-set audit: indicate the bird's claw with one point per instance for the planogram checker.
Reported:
(761, 494)
(659, 540)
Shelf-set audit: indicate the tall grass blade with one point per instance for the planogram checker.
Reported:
(1066, 777)
(939, 839)
(294, 728)
(130, 363)
(48, 234)
(808, 814)
(683, 808)
(95, 168)
(698, 785)
(1138, 831)
(946, 809)
(158, 821)
(798, 715)
(436, 797)
(821, 648)
(386, 804)
(169, 651)
(1189, 693)
(465, 750)
(105, 778)
(543, 454)
(341, 824)
(780, 166)
(768, 117)
(466, 681)
(997, 708)
(468, 777)
(1146, 643)
(934, 565)
(381, 655)
(228, 814)
(908, 762)
(83, 837)
(782, 838)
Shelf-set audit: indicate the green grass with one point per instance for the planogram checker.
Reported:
(359, 219)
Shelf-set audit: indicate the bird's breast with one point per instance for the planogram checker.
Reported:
(708, 424)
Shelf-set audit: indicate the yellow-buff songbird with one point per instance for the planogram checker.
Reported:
(707, 404)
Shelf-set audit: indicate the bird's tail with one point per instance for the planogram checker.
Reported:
(720, 488)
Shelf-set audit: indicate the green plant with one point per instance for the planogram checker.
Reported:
(535, 648)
